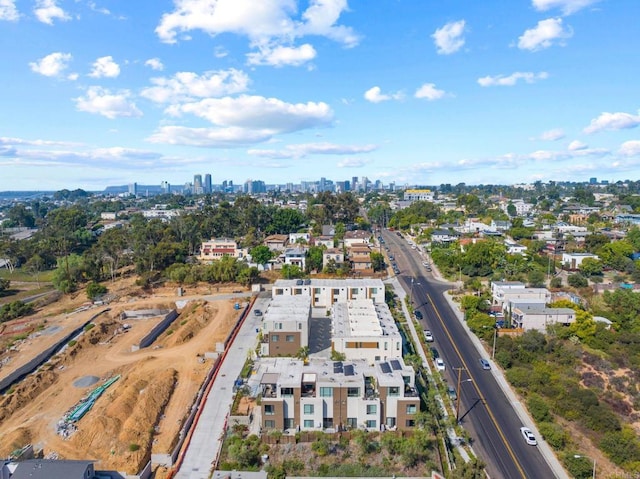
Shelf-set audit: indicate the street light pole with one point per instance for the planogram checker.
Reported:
(458, 392)
(587, 457)
(495, 335)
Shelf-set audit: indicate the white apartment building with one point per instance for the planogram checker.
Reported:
(418, 195)
(362, 329)
(534, 316)
(505, 292)
(335, 395)
(285, 326)
(325, 292)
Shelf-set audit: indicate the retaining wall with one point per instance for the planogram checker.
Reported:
(44, 356)
(157, 330)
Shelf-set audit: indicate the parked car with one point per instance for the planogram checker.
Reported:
(434, 353)
(428, 337)
(528, 436)
(424, 263)
(440, 364)
(485, 364)
(257, 312)
(452, 393)
(418, 314)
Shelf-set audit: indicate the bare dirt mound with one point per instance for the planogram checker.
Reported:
(193, 318)
(127, 415)
(16, 440)
(25, 392)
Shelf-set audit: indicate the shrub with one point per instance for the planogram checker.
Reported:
(72, 343)
(89, 327)
(95, 290)
(577, 281)
(134, 447)
(538, 408)
(556, 282)
(553, 434)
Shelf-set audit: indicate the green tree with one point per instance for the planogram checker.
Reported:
(535, 278)
(377, 261)
(4, 284)
(590, 267)
(291, 271)
(95, 290)
(314, 258)
(261, 254)
(511, 209)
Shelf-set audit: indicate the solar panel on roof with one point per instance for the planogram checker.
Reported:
(385, 368)
(395, 364)
(337, 368)
(348, 370)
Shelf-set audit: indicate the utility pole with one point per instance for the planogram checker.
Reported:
(458, 393)
(495, 335)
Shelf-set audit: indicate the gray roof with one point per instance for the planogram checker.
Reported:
(53, 469)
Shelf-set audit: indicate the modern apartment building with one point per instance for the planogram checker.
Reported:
(362, 329)
(325, 292)
(335, 396)
(285, 326)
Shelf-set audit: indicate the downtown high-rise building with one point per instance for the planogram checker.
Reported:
(208, 187)
(197, 185)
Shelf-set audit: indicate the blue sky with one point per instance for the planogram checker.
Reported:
(104, 92)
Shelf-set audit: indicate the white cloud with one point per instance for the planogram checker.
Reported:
(267, 23)
(258, 113)
(280, 55)
(187, 86)
(51, 65)
(567, 6)
(429, 92)
(154, 64)
(8, 11)
(576, 145)
(375, 95)
(511, 80)
(546, 33)
(220, 52)
(101, 101)
(552, 135)
(48, 10)
(449, 39)
(208, 137)
(353, 163)
(105, 67)
(306, 149)
(613, 121)
(630, 148)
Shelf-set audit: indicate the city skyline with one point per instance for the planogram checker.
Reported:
(408, 92)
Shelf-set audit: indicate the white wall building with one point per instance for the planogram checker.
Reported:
(325, 292)
(574, 260)
(361, 329)
(535, 317)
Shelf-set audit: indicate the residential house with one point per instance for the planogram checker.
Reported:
(334, 254)
(356, 237)
(514, 248)
(443, 236)
(337, 395)
(328, 230)
(573, 261)
(304, 238)
(276, 242)
(217, 248)
(504, 293)
(360, 259)
(500, 225)
(534, 316)
(326, 241)
(49, 469)
(295, 256)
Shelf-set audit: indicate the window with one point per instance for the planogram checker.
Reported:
(299, 325)
(317, 290)
(371, 423)
(326, 392)
(269, 424)
(411, 409)
(336, 291)
(354, 291)
(275, 338)
(373, 291)
(394, 391)
(352, 422)
(269, 409)
(372, 408)
(327, 422)
(308, 423)
(286, 392)
(353, 392)
(289, 338)
(279, 292)
(308, 408)
(386, 346)
(298, 291)
(410, 423)
(289, 423)
(391, 422)
(277, 326)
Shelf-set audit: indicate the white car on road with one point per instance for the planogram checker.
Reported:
(528, 436)
(428, 337)
(440, 364)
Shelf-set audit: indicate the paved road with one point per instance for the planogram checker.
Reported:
(484, 410)
(207, 440)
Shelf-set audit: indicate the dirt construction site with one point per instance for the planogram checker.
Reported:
(142, 411)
